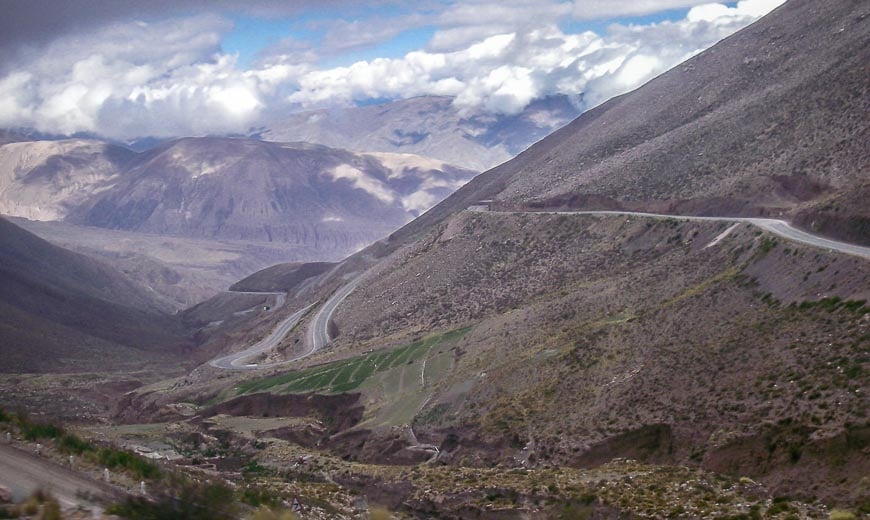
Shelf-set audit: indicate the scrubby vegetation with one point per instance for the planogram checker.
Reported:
(173, 495)
(834, 303)
(266, 513)
(41, 504)
(69, 443)
(182, 498)
(138, 466)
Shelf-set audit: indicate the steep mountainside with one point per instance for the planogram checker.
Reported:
(430, 126)
(601, 337)
(44, 180)
(327, 200)
(598, 337)
(771, 121)
(529, 340)
(66, 311)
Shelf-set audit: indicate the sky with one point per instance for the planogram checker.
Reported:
(125, 69)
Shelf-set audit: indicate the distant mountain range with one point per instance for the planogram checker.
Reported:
(430, 126)
(325, 199)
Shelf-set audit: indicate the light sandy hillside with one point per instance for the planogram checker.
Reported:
(44, 180)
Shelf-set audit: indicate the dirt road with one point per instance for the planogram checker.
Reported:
(24, 472)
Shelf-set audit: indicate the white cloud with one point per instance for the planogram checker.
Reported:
(341, 35)
(171, 78)
(591, 9)
(457, 38)
(364, 182)
(420, 201)
(503, 73)
(16, 98)
(722, 14)
(137, 79)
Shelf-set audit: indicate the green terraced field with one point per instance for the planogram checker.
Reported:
(348, 374)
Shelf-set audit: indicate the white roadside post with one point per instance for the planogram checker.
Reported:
(106, 474)
(142, 487)
(8, 437)
(38, 448)
(71, 460)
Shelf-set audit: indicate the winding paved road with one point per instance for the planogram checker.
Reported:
(237, 361)
(318, 331)
(777, 227)
(23, 473)
(280, 299)
(316, 339)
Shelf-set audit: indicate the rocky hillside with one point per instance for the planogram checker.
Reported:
(327, 200)
(529, 340)
(298, 193)
(62, 311)
(430, 126)
(771, 121)
(600, 337)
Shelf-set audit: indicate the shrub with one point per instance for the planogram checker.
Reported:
(840, 514)
(70, 443)
(31, 507)
(830, 304)
(794, 454)
(36, 431)
(51, 510)
(855, 306)
(265, 513)
(767, 244)
(140, 467)
(780, 505)
(253, 467)
(186, 500)
(379, 513)
(259, 497)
